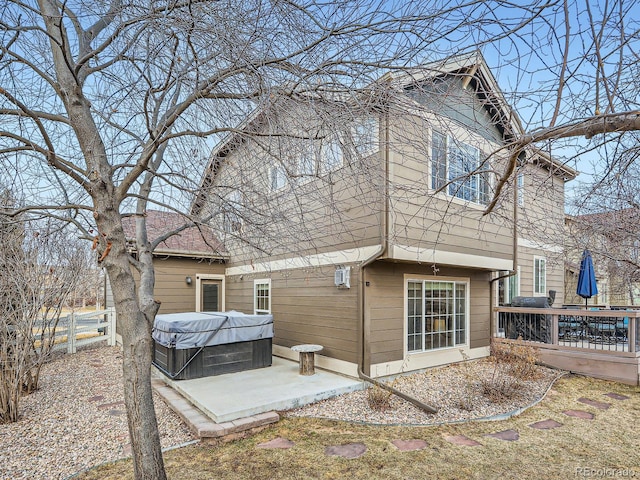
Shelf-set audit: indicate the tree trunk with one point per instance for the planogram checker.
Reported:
(135, 323)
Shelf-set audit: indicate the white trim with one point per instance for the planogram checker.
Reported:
(209, 276)
(523, 242)
(327, 363)
(338, 257)
(256, 282)
(420, 361)
(414, 254)
(533, 286)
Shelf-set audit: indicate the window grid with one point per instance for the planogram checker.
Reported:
(539, 276)
(436, 314)
(262, 297)
(453, 164)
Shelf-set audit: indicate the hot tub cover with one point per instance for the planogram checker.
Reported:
(203, 329)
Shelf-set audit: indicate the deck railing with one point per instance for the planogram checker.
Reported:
(603, 330)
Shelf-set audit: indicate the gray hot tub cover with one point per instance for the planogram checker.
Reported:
(198, 329)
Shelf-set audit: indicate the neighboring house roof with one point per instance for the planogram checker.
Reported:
(194, 241)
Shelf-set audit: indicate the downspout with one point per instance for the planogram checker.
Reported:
(384, 242)
(514, 271)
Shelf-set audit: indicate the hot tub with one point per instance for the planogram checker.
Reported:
(201, 344)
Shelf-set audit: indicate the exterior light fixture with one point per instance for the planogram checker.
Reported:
(188, 280)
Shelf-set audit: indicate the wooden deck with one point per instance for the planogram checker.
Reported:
(602, 343)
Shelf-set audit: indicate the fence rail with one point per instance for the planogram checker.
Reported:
(83, 329)
(602, 330)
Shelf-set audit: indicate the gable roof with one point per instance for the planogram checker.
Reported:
(472, 67)
(197, 241)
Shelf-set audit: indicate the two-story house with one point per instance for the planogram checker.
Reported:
(362, 226)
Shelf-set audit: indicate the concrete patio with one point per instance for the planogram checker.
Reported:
(225, 399)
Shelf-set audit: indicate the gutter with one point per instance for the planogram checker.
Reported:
(362, 331)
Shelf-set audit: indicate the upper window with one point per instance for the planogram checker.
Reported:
(539, 276)
(262, 296)
(365, 136)
(232, 219)
(307, 162)
(277, 178)
(520, 187)
(332, 157)
(436, 314)
(456, 167)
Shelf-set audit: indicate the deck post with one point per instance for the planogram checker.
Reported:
(554, 329)
(631, 333)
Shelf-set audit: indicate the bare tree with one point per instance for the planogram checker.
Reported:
(107, 106)
(41, 267)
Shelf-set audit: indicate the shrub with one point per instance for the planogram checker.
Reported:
(513, 364)
(379, 398)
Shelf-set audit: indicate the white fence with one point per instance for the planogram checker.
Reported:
(87, 328)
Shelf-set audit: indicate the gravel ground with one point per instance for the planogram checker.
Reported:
(456, 390)
(76, 419)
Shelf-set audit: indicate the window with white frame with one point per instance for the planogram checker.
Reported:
(307, 163)
(436, 314)
(331, 155)
(365, 136)
(262, 296)
(277, 178)
(457, 169)
(539, 276)
(232, 218)
(520, 187)
(509, 288)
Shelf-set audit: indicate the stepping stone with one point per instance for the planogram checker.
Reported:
(409, 445)
(462, 440)
(105, 406)
(115, 413)
(508, 435)
(350, 450)
(546, 424)
(594, 403)
(96, 398)
(616, 396)
(579, 414)
(276, 443)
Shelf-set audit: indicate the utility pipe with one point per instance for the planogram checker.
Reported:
(361, 305)
(514, 271)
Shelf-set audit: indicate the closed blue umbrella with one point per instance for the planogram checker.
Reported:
(587, 286)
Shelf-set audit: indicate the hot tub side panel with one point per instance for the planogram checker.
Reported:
(212, 360)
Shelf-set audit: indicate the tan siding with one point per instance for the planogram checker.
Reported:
(385, 299)
(425, 220)
(171, 288)
(307, 308)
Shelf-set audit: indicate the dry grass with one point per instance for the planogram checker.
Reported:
(608, 441)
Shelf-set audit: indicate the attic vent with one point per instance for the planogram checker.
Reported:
(342, 277)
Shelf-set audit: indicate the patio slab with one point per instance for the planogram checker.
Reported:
(228, 397)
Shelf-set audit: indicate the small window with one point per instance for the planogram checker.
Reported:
(277, 178)
(232, 219)
(307, 162)
(332, 157)
(508, 288)
(520, 187)
(365, 136)
(262, 296)
(539, 276)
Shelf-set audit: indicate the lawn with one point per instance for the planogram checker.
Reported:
(606, 446)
